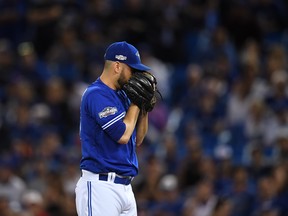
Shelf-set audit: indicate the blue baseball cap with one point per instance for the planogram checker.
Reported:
(125, 53)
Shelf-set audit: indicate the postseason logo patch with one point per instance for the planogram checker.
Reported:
(107, 111)
(121, 57)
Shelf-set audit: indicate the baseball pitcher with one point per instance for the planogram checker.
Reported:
(113, 122)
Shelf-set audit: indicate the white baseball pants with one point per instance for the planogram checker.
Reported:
(96, 197)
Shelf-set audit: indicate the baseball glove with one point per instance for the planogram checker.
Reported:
(141, 89)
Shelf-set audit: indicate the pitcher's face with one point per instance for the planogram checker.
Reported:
(124, 75)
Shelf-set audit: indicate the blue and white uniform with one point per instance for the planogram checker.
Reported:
(107, 166)
(101, 126)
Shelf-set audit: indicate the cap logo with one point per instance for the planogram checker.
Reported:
(121, 57)
(137, 54)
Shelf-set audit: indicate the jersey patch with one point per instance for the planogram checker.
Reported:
(107, 111)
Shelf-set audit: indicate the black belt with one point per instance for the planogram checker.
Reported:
(125, 180)
(118, 179)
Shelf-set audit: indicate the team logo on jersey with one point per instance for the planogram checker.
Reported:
(121, 57)
(107, 111)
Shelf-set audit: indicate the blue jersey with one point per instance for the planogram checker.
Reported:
(101, 126)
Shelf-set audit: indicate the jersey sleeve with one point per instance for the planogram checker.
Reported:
(108, 114)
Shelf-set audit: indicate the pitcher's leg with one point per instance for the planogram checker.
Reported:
(97, 198)
(130, 207)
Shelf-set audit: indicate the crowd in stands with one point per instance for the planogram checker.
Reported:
(217, 143)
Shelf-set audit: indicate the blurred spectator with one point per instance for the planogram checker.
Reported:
(265, 196)
(202, 201)
(170, 202)
(43, 17)
(55, 94)
(258, 164)
(278, 94)
(65, 58)
(251, 54)
(166, 20)
(256, 121)
(168, 153)
(5, 208)
(241, 194)
(11, 186)
(271, 18)
(147, 186)
(4, 134)
(160, 70)
(194, 15)
(31, 67)
(69, 208)
(50, 149)
(240, 21)
(95, 45)
(189, 172)
(208, 116)
(7, 65)
(219, 56)
(280, 179)
(54, 194)
(134, 20)
(223, 207)
(37, 175)
(275, 60)
(70, 175)
(12, 20)
(194, 87)
(33, 204)
(18, 117)
(281, 145)
(277, 122)
(224, 182)
(238, 102)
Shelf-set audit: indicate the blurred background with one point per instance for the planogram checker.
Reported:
(218, 141)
